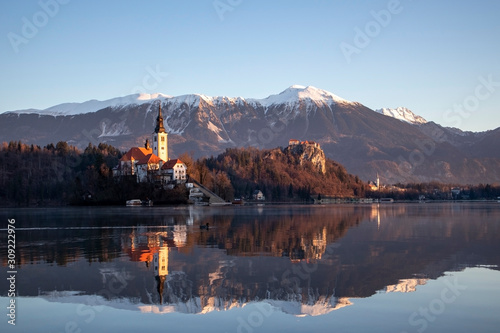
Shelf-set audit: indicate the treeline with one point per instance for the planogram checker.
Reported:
(58, 174)
(61, 174)
(281, 176)
(31, 175)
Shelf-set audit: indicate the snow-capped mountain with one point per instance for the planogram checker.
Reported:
(68, 109)
(402, 114)
(364, 141)
(314, 306)
(291, 97)
(298, 93)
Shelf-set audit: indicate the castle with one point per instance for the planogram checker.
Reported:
(293, 143)
(152, 164)
(308, 151)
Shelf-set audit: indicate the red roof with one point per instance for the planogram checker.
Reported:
(136, 153)
(170, 164)
(149, 159)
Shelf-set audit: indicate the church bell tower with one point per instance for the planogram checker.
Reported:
(160, 143)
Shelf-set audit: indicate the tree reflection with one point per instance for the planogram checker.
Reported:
(309, 260)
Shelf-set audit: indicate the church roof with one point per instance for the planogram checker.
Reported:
(170, 164)
(135, 154)
(159, 122)
(149, 159)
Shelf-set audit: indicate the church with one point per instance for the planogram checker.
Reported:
(152, 164)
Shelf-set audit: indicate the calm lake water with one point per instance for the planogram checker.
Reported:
(339, 268)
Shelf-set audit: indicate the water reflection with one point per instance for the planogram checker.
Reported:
(302, 260)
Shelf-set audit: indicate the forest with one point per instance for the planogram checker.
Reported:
(60, 174)
(281, 176)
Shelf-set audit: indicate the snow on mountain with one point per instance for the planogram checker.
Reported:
(94, 105)
(312, 307)
(297, 93)
(290, 97)
(402, 114)
(406, 285)
(192, 100)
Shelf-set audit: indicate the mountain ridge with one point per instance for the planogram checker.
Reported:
(294, 94)
(403, 114)
(364, 141)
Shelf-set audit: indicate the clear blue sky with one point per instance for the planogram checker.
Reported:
(428, 56)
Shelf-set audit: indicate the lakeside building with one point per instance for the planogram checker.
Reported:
(152, 164)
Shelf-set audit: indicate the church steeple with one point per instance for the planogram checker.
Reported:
(159, 122)
(160, 141)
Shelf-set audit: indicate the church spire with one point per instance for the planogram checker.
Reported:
(159, 122)
(160, 142)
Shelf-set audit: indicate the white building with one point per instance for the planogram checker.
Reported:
(152, 164)
(174, 170)
(258, 195)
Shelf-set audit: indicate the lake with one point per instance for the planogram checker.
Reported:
(430, 267)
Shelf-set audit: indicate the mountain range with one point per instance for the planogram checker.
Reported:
(396, 144)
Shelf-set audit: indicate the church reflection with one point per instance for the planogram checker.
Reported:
(231, 276)
(160, 264)
(307, 261)
(153, 249)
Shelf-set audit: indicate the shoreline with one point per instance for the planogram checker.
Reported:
(263, 203)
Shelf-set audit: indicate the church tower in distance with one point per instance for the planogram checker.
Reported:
(160, 143)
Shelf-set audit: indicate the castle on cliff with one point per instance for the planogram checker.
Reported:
(293, 143)
(308, 151)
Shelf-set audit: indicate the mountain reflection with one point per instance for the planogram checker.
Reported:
(304, 260)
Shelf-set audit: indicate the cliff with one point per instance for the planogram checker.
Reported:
(293, 173)
(308, 151)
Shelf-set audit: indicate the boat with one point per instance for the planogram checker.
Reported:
(386, 200)
(139, 202)
(225, 203)
(238, 202)
(134, 202)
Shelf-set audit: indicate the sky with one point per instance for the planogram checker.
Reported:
(441, 59)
